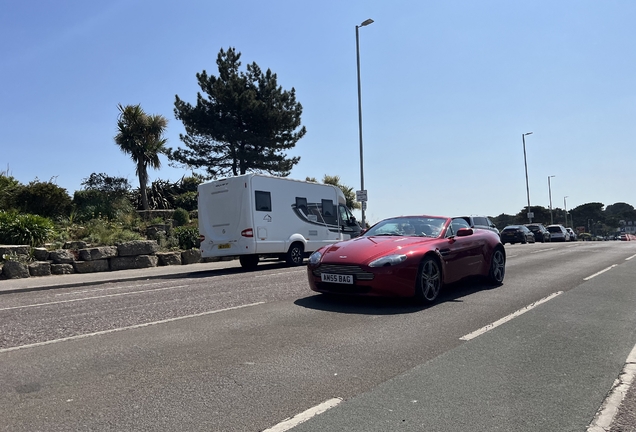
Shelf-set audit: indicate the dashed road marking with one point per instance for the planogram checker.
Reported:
(90, 298)
(507, 318)
(602, 271)
(136, 326)
(304, 416)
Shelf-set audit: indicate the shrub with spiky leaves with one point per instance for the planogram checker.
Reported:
(24, 229)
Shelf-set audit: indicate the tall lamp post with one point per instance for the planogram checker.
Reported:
(550, 195)
(525, 162)
(565, 208)
(362, 190)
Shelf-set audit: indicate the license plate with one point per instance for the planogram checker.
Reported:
(224, 246)
(336, 278)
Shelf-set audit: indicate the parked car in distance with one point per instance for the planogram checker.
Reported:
(480, 222)
(516, 234)
(391, 259)
(558, 233)
(540, 232)
(572, 234)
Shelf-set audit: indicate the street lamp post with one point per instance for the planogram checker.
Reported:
(364, 202)
(565, 209)
(525, 162)
(550, 195)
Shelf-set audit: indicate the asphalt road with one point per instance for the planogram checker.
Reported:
(242, 351)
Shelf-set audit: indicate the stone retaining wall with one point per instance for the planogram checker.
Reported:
(78, 257)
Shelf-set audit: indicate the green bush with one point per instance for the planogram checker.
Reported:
(188, 237)
(181, 217)
(187, 200)
(43, 198)
(24, 229)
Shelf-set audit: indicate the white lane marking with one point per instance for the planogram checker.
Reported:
(304, 416)
(91, 298)
(92, 290)
(280, 273)
(136, 326)
(606, 413)
(507, 318)
(602, 271)
(542, 250)
(627, 259)
(511, 256)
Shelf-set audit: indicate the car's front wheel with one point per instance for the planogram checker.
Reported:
(429, 280)
(295, 254)
(497, 267)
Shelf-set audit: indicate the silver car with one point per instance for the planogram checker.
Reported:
(558, 233)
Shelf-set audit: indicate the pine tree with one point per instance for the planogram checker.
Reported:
(244, 124)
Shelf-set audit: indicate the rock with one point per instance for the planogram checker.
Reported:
(75, 245)
(191, 256)
(98, 253)
(15, 270)
(137, 247)
(169, 258)
(15, 250)
(61, 269)
(133, 262)
(61, 256)
(40, 268)
(40, 254)
(92, 266)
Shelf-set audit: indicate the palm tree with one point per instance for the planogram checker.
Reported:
(141, 136)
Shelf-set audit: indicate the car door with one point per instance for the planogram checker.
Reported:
(462, 255)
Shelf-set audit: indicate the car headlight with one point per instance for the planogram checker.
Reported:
(389, 260)
(315, 258)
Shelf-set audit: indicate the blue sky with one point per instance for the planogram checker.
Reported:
(448, 89)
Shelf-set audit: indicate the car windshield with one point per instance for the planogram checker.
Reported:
(554, 229)
(411, 226)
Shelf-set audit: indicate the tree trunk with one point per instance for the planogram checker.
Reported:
(143, 181)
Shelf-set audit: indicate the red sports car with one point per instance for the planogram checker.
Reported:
(407, 256)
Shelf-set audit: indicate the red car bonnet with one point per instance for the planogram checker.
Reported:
(362, 250)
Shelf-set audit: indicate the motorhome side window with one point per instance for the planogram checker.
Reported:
(301, 204)
(263, 201)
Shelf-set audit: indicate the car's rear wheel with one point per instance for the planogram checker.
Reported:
(295, 254)
(429, 280)
(497, 267)
(248, 262)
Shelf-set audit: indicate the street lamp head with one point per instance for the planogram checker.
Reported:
(552, 176)
(527, 133)
(366, 22)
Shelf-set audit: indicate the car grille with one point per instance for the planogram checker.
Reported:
(356, 271)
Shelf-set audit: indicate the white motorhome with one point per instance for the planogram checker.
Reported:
(254, 215)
